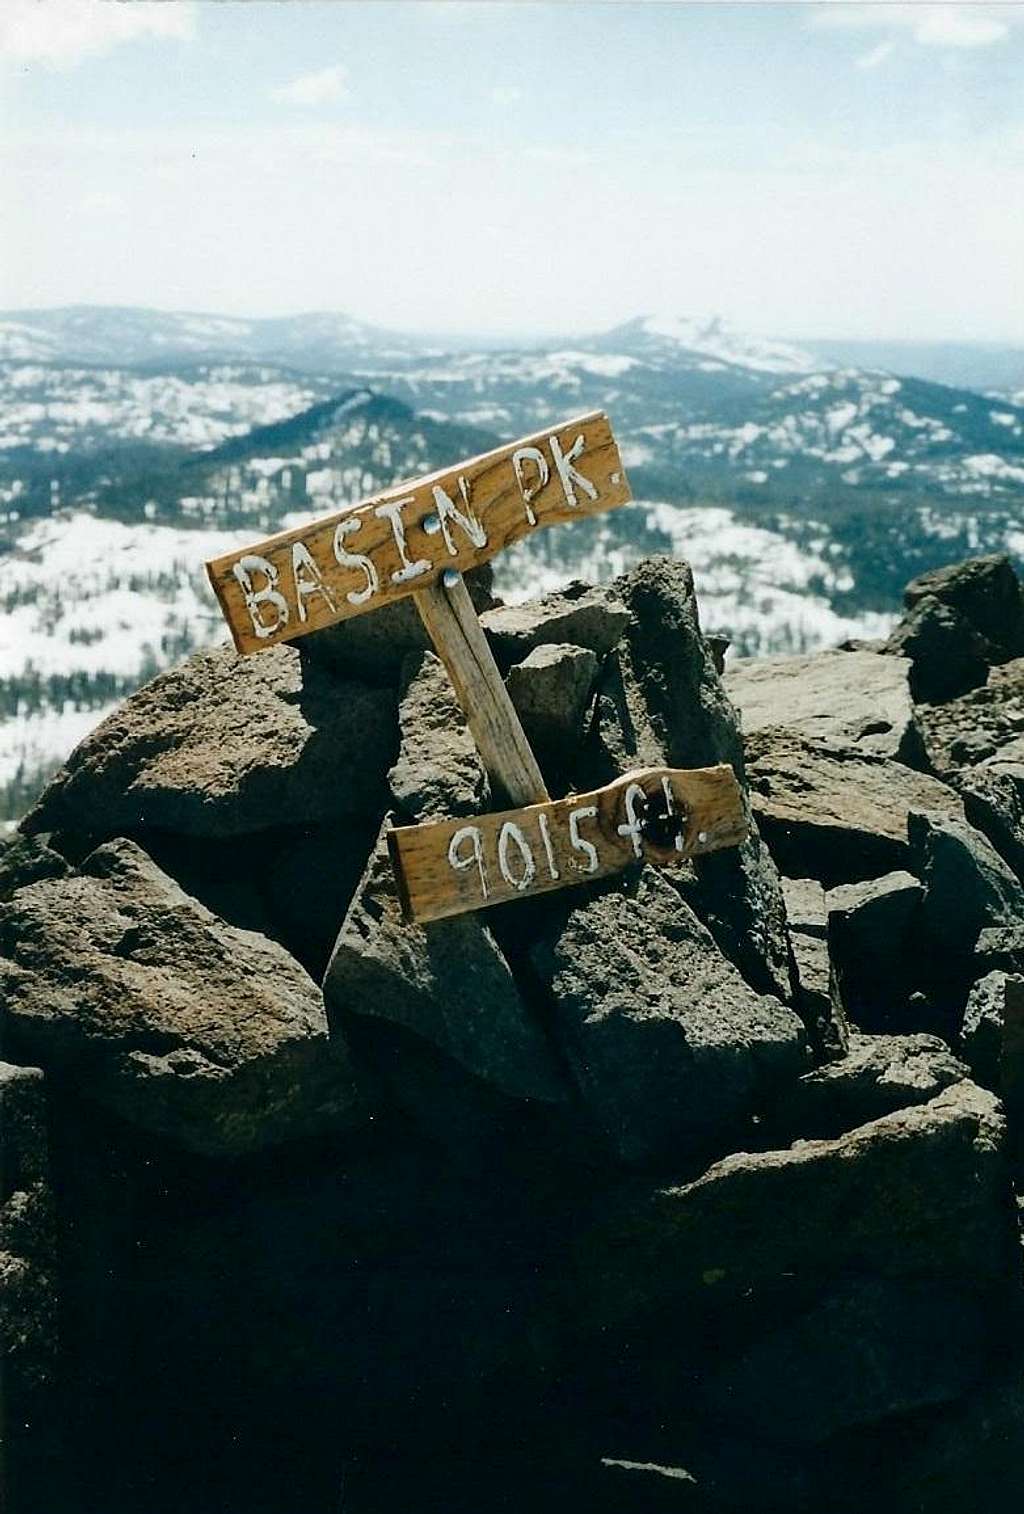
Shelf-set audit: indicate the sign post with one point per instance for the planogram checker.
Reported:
(418, 539)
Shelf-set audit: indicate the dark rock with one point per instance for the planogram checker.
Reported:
(550, 689)
(947, 656)
(987, 594)
(858, 699)
(878, 1075)
(661, 702)
(580, 614)
(867, 1350)
(438, 772)
(225, 745)
(310, 877)
(993, 796)
(29, 1302)
(446, 982)
(921, 1192)
(808, 934)
(870, 936)
(296, 892)
(26, 859)
(967, 1459)
(1000, 948)
(698, 1466)
(213, 872)
(968, 886)
(208, 1035)
(669, 1047)
(987, 722)
(993, 1038)
(28, 1321)
(676, 702)
(833, 812)
(373, 646)
(737, 893)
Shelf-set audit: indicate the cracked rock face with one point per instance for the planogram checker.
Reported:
(859, 699)
(833, 812)
(993, 795)
(550, 689)
(667, 1043)
(438, 772)
(993, 1040)
(660, 701)
(225, 745)
(447, 982)
(184, 1025)
(921, 1191)
(978, 725)
(877, 1075)
(581, 614)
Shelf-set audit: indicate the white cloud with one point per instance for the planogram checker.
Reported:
(876, 56)
(63, 33)
(320, 88)
(506, 94)
(964, 25)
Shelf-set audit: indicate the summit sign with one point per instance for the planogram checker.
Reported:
(419, 539)
(403, 540)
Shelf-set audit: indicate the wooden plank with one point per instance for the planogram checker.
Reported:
(401, 541)
(451, 621)
(659, 815)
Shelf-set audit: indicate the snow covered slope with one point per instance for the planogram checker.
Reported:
(134, 444)
(92, 608)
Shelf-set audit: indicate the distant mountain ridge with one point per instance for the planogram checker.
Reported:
(130, 335)
(804, 490)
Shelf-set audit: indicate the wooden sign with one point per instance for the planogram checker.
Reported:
(401, 541)
(418, 539)
(659, 815)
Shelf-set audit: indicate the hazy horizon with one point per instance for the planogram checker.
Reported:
(473, 336)
(522, 171)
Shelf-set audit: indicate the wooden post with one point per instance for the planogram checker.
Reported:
(456, 632)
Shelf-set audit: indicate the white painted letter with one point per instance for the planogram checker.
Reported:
(530, 455)
(392, 511)
(447, 510)
(568, 475)
(511, 832)
(243, 570)
(307, 579)
(345, 559)
(470, 833)
(632, 825)
(545, 836)
(585, 812)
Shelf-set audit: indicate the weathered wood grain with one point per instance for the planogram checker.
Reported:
(399, 542)
(451, 621)
(659, 815)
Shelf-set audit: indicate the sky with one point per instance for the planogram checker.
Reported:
(520, 169)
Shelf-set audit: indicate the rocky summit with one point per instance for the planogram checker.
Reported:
(694, 1189)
